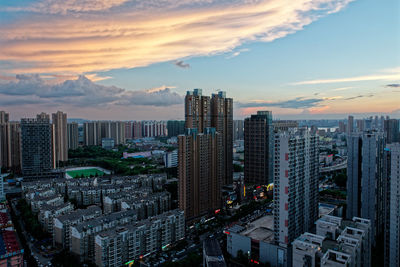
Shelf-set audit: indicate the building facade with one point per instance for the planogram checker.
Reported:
(365, 183)
(36, 146)
(258, 148)
(296, 174)
(73, 135)
(60, 135)
(392, 206)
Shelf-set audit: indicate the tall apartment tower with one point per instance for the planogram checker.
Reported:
(197, 110)
(350, 125)
(222, 121)
(59, 121)
(36, 146)
(73, 135)
(238, 130)
(258, 148)
(364, 182)
(391, 129)
(92, 133)
(4, 117)
(296, 173)
(10, 146)
(392, 205)
(200, 172)
(203, 112)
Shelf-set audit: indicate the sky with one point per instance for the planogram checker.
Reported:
(135, 60)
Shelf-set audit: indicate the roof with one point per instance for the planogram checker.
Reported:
(261, 229)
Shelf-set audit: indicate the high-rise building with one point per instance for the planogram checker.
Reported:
(360, 124)
(342, 127)
(95, 131)
(199, 172)
(4, 117)
(59, 121)
(205, 153)
(284, 125)
(391, 129)
(364, 182)
(73, 135)
(258, 148)
(296, 174)
(222, 121)
(175, 128)
(197, 110)
(238, 130)
(36, 146)
(392, 205)
(137, 129)
(10, 146)
(92, 133)
(350, 125)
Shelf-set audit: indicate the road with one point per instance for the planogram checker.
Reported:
(41, 261)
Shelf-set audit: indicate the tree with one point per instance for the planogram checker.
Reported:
(340, 180)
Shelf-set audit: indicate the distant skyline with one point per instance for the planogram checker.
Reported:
(135, 60)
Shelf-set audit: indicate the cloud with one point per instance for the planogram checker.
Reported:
(67, 6)
(393, 85)
(296, 103)
(343, 88)
(358, 96)
(82, 92)
(181, 64)
(127, 34)
(237, 53)
(388, 75)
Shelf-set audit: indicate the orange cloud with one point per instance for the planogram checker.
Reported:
(126, 38)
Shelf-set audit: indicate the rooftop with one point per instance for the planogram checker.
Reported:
(261, 229)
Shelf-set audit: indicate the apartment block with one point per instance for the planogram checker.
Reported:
(296, 167)
(62, 223)
(125, 243)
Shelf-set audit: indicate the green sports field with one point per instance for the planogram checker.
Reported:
(85, 172)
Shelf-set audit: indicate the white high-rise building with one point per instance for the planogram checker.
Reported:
(296, 171)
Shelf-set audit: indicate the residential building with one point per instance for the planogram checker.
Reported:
(73, 135)
(296, 174)
(175, 128)
(60, 132)
(200, 172)
(10, 146)
(82, 235)
(392, 205)
(171, 159)
(36, 146)
(258, 148)
(391, 130)
(284, 125)
(129, 242)
(350, 125)
(238, 130)
(337, 243)
(107, 143)
(4, 117)
(62, 223)
(365, 182)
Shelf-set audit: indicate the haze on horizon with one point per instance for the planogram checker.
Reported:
(134, 60)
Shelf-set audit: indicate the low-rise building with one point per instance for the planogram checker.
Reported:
(212, 254)
(257, 241)
(82, 235)
(62, 224)
(338, 242)
(132, 241)
(47, 214)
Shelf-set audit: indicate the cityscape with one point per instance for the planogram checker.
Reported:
(199, 133)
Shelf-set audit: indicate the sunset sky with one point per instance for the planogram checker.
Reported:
(134, 60)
